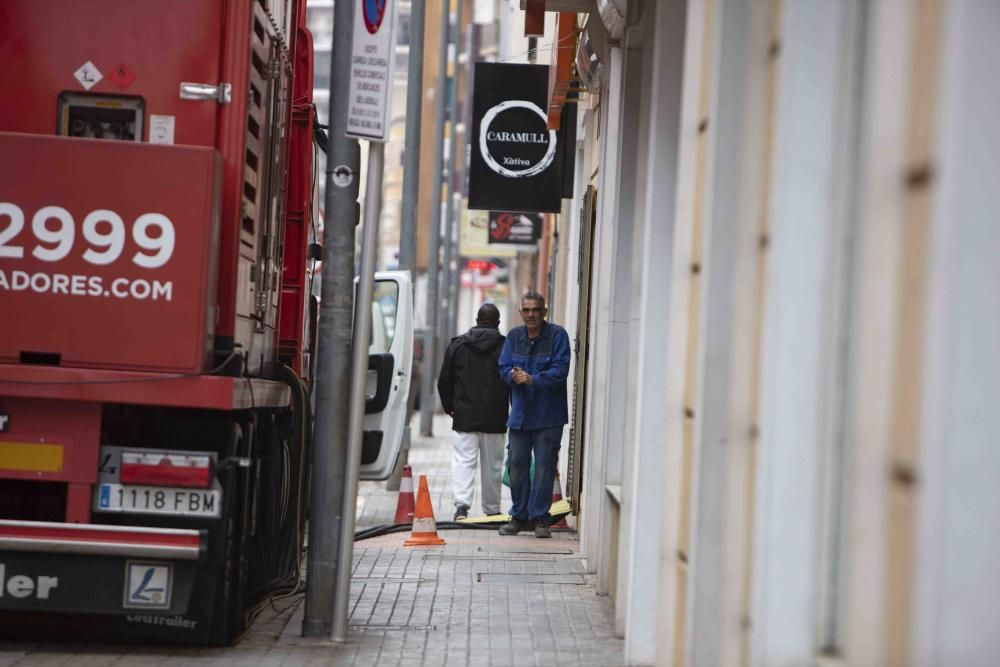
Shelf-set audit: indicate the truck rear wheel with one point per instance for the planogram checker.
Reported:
(230, 542)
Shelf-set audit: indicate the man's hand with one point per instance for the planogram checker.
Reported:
(520, 377)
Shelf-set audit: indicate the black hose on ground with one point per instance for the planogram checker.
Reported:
(388, 529)
(377, 531)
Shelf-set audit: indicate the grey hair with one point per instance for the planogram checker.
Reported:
(532, 295)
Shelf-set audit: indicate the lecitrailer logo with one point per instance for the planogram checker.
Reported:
(515, 141)
(515, 163)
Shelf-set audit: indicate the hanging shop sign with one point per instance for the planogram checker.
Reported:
(474, 237)
(515, 228)
(371, 70)
(515, 163)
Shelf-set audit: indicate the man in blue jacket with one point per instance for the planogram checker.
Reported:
(534, 362)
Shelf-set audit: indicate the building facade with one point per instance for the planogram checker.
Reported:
(781, 267)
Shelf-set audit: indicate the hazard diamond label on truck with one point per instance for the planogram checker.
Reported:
(88, 75)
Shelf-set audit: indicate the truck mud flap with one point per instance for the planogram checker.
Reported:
(71, 597)
(90, 582)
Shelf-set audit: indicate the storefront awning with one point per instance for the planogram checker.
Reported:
(561, 66)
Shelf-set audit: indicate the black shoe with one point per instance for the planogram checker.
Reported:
(514, 526)
(542, 529)
(461, 512)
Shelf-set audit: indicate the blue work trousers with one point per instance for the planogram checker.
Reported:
(533, 496)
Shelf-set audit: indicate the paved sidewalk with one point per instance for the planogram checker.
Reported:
(482, 599)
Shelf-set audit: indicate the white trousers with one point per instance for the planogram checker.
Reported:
(489, 449)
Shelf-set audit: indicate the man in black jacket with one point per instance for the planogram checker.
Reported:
(477, 399)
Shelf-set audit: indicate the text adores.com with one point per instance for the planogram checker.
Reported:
(80, 285)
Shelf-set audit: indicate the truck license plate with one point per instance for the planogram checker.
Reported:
(158, 500)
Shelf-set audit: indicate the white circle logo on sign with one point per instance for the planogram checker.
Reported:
(484, 148)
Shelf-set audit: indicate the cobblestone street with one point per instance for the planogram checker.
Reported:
(482, 599)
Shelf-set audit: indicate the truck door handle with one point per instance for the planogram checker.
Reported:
(222, 93)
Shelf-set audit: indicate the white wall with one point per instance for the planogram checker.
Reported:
(673, 580)
(958, 548)
(644, 516)
(724, 399)
(798, 319)
(594, 541)
(627, 293)
(877, 478)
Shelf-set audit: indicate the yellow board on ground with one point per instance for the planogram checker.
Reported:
(560, 508)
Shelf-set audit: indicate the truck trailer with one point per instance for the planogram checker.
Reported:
(159, 247)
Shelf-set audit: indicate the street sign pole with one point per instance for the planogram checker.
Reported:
(368, 104)
(411, 149)
(359, 377)
(343, 162)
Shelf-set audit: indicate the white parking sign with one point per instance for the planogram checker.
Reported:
(372, 57)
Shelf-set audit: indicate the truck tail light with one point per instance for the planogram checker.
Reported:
(151, 468)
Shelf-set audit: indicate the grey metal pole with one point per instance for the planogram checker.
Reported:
(456, 273)
(411, 148)
(444, 334)
(359, 377)
(450, 251)
(428, 394)
(472, 40)
(334, 339)
(411, 187)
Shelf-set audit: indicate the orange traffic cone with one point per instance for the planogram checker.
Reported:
(404, 504)
(556, 497)
(424, 528)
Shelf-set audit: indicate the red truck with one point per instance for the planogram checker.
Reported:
(157, 278)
